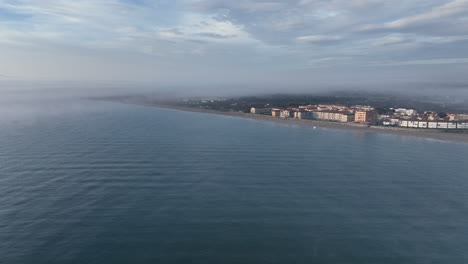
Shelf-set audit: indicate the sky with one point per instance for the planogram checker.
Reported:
(259, 44)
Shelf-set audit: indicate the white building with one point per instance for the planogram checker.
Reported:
(391, 122)
(285, 113)
(363, 107)
(404, 111)
(434, 124)
(260, 111)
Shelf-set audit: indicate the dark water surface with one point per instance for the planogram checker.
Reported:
(98, 182)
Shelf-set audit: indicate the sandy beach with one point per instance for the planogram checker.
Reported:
(422, 133)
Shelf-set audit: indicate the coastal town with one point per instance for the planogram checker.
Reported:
(283, 108)
(368, 115)
(444, 122)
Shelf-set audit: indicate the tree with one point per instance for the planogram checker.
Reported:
(442, 115)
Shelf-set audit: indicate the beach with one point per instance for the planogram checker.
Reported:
(458, 136)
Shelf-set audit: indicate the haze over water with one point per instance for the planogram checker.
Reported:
(97, 182)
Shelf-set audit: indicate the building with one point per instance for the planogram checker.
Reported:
(336, 116)
(308, 106)
(462, 124)
(405, 112)
(365, 116)
(432, 117)
(286, 113)
(260, 111)
(391, 121)
(363, 107)
(303, 114)
(461, 117)
(327, 107)
(275, 112)
(434, 124)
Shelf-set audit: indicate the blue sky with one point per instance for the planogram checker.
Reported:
(284, 44)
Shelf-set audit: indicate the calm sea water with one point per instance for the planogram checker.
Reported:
(99, 182)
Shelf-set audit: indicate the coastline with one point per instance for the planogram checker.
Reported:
(430, 134)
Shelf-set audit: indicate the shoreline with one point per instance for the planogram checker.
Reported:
(430, 134)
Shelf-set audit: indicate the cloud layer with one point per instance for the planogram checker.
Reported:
(296, 42)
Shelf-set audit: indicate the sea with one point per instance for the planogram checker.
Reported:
(86, 181)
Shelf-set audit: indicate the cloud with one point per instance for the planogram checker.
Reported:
(389, 40)
(441, 61)
(206, 29)
(451, 13)
(243, 5)
(132, 38)
(113, 24)
(318, 38)
(215, 35)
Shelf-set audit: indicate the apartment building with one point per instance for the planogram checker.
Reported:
(366, 116)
